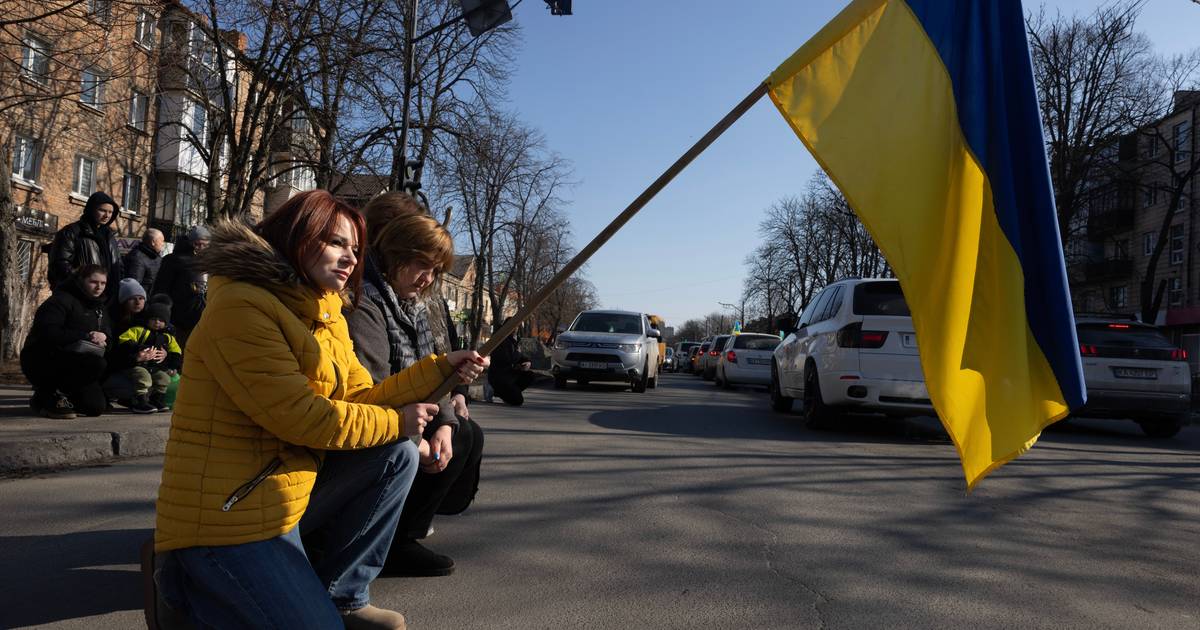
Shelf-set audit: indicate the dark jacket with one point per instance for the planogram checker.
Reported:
(66, 317)
(385, 342)
(141, 264)
(181, 279)
(505, 361)
(85, 242)
(138, 338)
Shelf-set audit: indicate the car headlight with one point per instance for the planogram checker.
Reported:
(629, 347)
(561, 344)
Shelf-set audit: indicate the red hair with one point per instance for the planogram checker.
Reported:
(301, 227)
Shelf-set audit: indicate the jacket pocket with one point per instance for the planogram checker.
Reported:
(249, 486)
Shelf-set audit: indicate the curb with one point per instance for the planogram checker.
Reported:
(63, 449)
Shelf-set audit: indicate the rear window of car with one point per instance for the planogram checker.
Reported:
(1122, 335)
(880, 298)
(608, 323)
(719, 343)
(755, 342)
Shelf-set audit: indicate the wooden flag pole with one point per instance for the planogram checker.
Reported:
(608, 232)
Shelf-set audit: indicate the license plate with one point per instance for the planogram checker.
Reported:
(593, 365)
(758, 361)
(908, 340)
(1143, 373)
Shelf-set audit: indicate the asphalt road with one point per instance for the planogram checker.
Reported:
(691, 507)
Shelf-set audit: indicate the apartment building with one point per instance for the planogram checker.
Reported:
(1130, 210)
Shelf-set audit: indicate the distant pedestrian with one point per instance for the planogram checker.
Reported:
(185, 283)
(156, 357)
(88, 241)
(142, 262)
(511, 372)
(64, 354)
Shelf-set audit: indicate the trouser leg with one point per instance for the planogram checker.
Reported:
(352, 514)
(429, 490)
(159, 382)
(80, 381)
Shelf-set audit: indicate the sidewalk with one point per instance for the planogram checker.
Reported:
(29, 443)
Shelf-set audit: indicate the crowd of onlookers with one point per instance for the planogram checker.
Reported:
(114, 327)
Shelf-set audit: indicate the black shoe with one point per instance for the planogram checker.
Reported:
(141, 405)
(56, 407)
(409, 558)
(158, 400)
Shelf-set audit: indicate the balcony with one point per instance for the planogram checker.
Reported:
(1119, 219)
(1109, 269)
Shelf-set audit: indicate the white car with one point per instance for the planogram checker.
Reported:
(1133, 371)
(605, 345)
(853, 349)
(746, 359)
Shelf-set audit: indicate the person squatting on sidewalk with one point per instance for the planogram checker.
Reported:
(399, 319)
(286, 468)
(511, 372)
(154, 356)
(63, 356)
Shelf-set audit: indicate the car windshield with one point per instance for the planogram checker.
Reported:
(880, 298)
(755, 342)
(1122, 335)
(608, 323)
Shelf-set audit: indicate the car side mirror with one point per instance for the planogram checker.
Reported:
(787, 324)
(654, 332)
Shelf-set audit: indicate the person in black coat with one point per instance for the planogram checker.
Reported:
(181, 280)
(142, 262)
(64, 354)
(510, 372)
(88, 241)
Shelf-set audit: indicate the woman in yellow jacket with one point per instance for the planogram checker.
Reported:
(286, 469)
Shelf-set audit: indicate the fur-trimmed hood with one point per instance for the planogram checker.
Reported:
(235, 253)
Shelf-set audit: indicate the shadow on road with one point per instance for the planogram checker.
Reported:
(76, 575)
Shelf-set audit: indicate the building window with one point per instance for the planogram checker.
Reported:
(1147, 243)
(1177, 244)
(190, 199)
(1183, 140)
(85, 176)
(101, 10)
(144, 32)
(1118, 297)
(131, 193)
(1152, 149)
(25, 257)
(139, 105)
(1150, 195)
(199, 124)
(91, 88)
(26, 154)
(1175, 291)
(35, 58)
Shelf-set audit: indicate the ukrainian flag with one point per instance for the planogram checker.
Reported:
(924, 114)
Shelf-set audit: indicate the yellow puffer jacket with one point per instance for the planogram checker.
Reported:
(270, 381)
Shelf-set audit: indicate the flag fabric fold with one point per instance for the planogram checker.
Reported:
(924, 113)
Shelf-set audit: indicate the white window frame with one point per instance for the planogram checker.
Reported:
(1120, 296)
(1181, 135)
(1175, 291)
(201, 133)
(77, 177)
(26, 157)
(35, 58)
(145, 29)
(139, 109)
(96, 88)
(131, 193)
(1147, 243)
(1177, 245)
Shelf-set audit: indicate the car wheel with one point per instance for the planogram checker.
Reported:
(706, 375)
(653, 383)
(639, 386)
(583, 382)
(816, 413)
(1160, 428)
(560, 382)
(779, 402)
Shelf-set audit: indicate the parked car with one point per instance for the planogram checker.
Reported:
(698, 355)
(668, 362)
(603, 345)
(708, 363)
(683, 355)
(853, 349)
(1132, 371)
(746, 360)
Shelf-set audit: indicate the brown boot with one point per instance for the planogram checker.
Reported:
(371, 618)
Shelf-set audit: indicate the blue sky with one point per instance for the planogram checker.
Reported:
(623, 87)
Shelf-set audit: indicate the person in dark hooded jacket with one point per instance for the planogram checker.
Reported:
(182, 281)
(88, 241)
(64, 354)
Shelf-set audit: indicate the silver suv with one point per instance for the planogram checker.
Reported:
(609, 346)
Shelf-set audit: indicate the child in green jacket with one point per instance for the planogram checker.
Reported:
(157, 355)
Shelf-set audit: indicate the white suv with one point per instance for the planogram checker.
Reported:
(853, 349)
(1133, 371)
(608, 346)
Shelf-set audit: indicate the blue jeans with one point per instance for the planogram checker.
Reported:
(304, 578)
